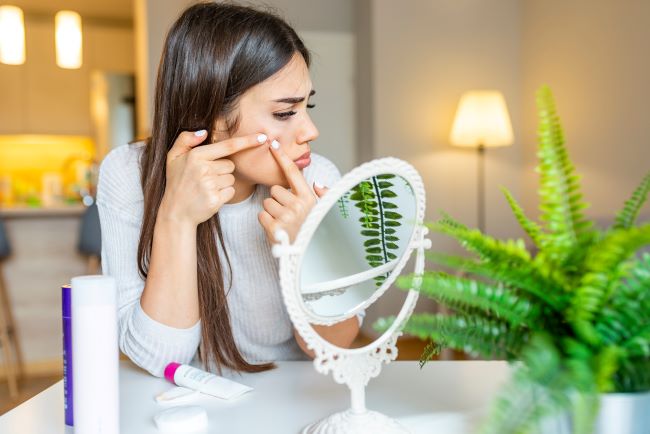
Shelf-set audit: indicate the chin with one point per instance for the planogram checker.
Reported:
(270, 181)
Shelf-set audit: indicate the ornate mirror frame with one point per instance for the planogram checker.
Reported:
(354, 367)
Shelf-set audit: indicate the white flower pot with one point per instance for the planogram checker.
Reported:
(620, 413)
(624, 413)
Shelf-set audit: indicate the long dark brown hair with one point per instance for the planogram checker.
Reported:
(213, 53)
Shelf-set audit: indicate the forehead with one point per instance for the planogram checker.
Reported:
(291, 81)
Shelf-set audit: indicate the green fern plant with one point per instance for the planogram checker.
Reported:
(379, 219)
(576, 312)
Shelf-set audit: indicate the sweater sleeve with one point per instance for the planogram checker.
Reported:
(148, 343)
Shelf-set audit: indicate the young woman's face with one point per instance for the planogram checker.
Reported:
(276, 107)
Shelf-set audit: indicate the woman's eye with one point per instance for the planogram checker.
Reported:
(284, 115)
(311, 105)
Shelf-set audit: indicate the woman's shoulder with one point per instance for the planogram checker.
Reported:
(322, 170)
(119, 176)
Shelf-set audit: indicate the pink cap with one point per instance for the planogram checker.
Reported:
(170, 370)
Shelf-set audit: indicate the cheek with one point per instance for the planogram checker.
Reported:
(257, 166)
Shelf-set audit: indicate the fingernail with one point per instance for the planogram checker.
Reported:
(200, 133)
(318, 184)
(275, 144)
(261, 138)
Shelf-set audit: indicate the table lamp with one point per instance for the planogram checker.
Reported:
(481, 121)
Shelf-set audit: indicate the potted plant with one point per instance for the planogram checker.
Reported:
(573, 310)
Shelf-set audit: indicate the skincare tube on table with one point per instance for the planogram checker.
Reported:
(66, 303)
(95, 356)
(205, 382)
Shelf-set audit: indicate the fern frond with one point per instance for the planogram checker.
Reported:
(633, 375)
(605, 366)
(533, 230)
(627, 216)
(616, 326)
(628, 311)
(561, 202)
(639, 344)
(522, 276)
(471, 334)
(636, 286)
(606, 264)
(537, 390)
(486, 247)
(459, 292)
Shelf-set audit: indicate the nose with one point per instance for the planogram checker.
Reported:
(307, 132)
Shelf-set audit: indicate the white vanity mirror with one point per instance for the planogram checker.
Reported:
(350, 249)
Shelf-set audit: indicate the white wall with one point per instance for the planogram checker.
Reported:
(333, 75)
(594, 55)
(424, 54)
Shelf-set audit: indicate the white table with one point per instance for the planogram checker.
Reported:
(446, 397)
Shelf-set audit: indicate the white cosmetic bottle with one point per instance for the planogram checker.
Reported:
(95, 355)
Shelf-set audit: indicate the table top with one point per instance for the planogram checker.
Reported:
(444, 396)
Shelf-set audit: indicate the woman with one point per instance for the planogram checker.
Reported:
(188, 217)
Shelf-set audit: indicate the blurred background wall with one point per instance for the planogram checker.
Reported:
(593, 55)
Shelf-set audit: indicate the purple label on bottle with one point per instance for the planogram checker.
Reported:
(66, 308)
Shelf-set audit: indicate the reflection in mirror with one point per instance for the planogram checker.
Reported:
(357, 245)
(388, 305)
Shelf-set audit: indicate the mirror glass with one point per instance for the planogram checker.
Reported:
(357, 245)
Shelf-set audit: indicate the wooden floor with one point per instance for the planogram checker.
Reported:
(28, 388)
(408, 349)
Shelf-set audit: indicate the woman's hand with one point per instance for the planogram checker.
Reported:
(288, 209)
(200, 179)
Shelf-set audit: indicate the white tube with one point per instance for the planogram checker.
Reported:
(95, 356)
(205, 382)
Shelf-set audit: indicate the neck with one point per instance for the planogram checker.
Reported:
(243, 190)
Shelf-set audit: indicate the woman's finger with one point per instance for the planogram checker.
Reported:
(291, 171)
(223, 181)
(282, 195)
(221, 167)
(272, 206)
(268, 223)
(320, 189)
(215, 151)
(186, 141)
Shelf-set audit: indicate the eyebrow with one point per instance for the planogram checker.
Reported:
(294, 100)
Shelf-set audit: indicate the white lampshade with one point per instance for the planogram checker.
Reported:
(68, 39)
(12, 35)
(482, 119)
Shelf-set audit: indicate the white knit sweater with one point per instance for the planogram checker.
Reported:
(261, 326)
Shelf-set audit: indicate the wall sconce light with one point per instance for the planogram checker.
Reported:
(12, 35)
(68, 39)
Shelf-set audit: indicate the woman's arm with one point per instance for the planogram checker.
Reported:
(148, 343)
(341, 334)
(170, 294)
(199, 182)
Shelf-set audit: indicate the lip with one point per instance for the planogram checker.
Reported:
(303, 161)
(304, 156)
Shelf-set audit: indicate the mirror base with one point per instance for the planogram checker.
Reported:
(345, 422)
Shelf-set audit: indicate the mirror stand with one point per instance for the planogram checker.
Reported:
(353, 367)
